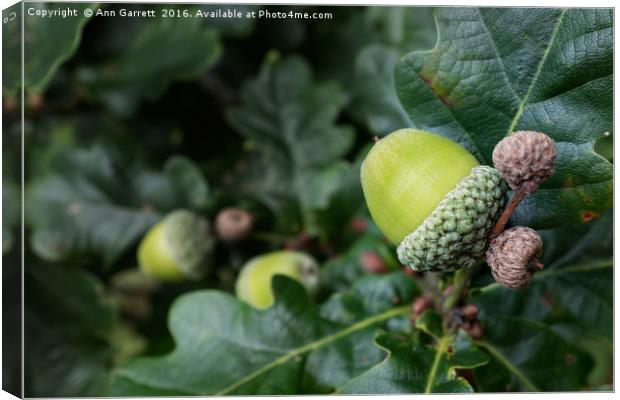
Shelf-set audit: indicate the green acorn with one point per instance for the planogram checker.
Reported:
(429, 195)
(254, 281)
(178, 247)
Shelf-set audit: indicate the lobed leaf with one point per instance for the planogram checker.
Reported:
(413, 367)
(488, 77)
(42, 56)
(396, 30)
(289, 119)
(224, 346)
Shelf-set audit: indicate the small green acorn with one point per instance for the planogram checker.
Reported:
(431, 197)
(178, 247)
(254, 281)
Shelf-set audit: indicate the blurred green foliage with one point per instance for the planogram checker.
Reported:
(129, 119)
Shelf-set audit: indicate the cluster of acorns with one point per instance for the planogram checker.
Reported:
(429, 196)
(181, 247)
(426, 193)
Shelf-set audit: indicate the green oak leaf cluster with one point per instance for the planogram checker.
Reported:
(129, 120)
(309, 354)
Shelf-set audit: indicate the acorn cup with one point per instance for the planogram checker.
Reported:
(233, 224)
(513, 257)
(525, 159)
(429, 195)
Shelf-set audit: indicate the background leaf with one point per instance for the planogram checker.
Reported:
(159, 51)
(399, 30)
(93, 201)
(245, 351)
(11, 211)
(289, 120)
(531, 357)
(72, 332)
(42, 56)
(488, 77)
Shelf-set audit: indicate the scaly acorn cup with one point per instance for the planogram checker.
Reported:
(429, 195)
(513, 257)
(254, 281)
(178, 247)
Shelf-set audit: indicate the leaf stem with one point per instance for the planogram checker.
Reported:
(442, 347)
(459, 285)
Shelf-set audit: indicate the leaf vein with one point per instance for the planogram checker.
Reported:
(498, 56)
(509, 365)
(539, 68)
(314, 345)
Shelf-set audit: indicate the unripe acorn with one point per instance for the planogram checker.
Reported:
(513, 257)
(254, 281)
(178, 247)
(429, 195)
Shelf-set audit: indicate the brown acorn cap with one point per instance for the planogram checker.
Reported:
(525, 157)
(513, 256)
(233, 224)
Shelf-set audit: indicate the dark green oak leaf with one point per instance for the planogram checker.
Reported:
(551, 71)
(42, 54)
(11, 213)
(374, 72)
(570, 302)
(158, 52)
(290, 121)
(397, 30)
(370, 294)
(225, 347)
(529, 356)
(414, 367)
(340, 272)
(71, 332)
(97, 200)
